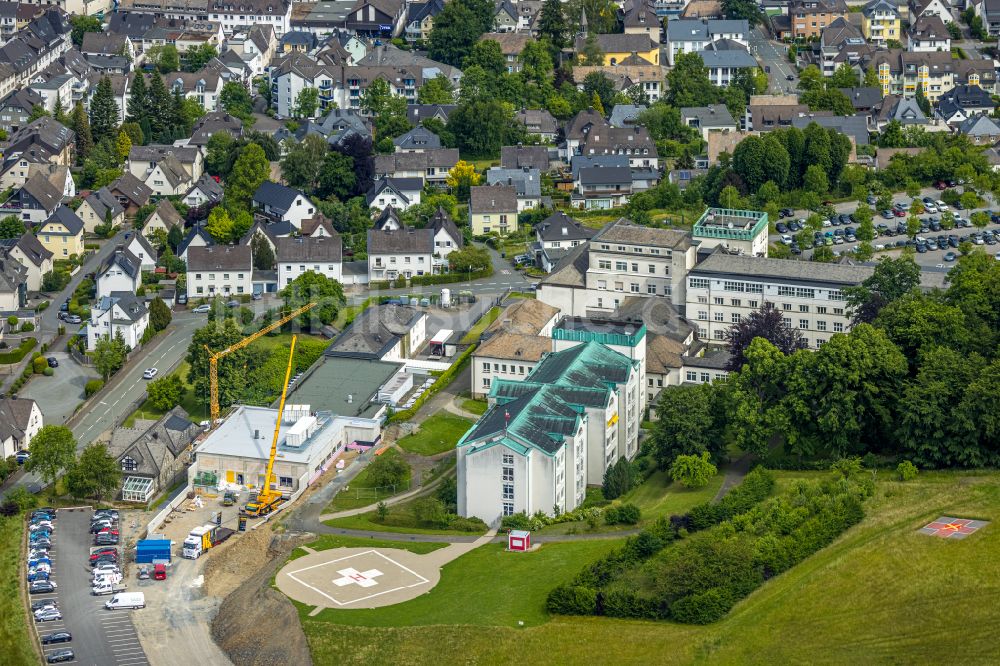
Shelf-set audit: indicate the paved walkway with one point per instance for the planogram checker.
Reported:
(367, 577)
(395, 499)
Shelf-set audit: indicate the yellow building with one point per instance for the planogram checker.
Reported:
(493, 209)
(620, 46)
(881, 22)
(62, 234)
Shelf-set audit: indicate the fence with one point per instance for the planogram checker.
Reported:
(179, 498)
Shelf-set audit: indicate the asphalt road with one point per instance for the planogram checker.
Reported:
(100, 637)
(774, 55)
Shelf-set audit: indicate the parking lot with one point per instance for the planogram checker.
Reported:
(934, 258)
(100, 637)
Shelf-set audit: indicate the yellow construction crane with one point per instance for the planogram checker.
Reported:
(213, 359)
(268, 500)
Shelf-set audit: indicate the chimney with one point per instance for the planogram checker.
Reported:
(256, 434)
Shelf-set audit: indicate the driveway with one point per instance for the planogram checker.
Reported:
(57, 396)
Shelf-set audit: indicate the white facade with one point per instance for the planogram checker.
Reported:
(289, 270)
(219, 282)
(693, 35)
(391, 266)
(443, 243)
(107, 323)
(116, 279)
(398, 200)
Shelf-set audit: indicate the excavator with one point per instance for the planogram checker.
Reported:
(267, 499)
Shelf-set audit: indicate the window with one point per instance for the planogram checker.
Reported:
(691, 376)
(635, 267)
(621, 265)
(486, 382)
(634, 288)
(508, 508)
(705, 378)
(787, 320)
(753, 304)
(698, 283)
(803, 324)
(508, 473)
(602, 284)
(735, 318)
(651, 268)
(838, 327)
(508, 459)
(720, 301)
(838, 311)
(787, 307)
(486, 367)
(836, 295)
(702, 300)
(719, 334)
(129, 465)
(702, 315)
(821, 326)
(803, 308)
(719, 316)
(737, 303)
(508, 491)
(285, 481)
(604, 264)
(821, 309)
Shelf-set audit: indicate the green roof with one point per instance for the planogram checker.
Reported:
(344, 386)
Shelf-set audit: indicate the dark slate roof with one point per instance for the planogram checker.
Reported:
(387, 215)
(418, 138)
(402, 241)
(15, 416)
(196, 230)
(417, 112)
(219, 258)
(33, 248)
(493, 199)
(128, 262)
(863, 98)
(442, 221)
(157, 446)
(316, 248)
(68, 218)
(132, 188)
(102, 201)
(374, 331)
(399, 185)
(42, 191)
(559, 227)
(12, 275)
(130, 304)
(276, 195)
(606, 175)
(209, 187)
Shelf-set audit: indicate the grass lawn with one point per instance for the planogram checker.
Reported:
(194, 405)
(360, 492)
(881, 593)
(15, 637)
(439, 433)
(328, 541)
(477, 330)
(475, 406)
(347, 314)
(401, 519)
(471, 591)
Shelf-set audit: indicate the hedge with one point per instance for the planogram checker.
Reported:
(446, 378)
(18, 354)
(440, 278)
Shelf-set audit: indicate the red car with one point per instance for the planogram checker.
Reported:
(900, 213)
(941, 185)
(108, 531)
(103, 551)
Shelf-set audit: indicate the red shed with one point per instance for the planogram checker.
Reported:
(519, 540)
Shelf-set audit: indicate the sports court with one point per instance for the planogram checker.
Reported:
(947, 527)
(359, 577)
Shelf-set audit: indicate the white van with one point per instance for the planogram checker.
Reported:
(126, 600)
(106, 587)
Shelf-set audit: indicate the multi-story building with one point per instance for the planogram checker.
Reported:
(929, 33)
(693, 35)
(431, 166)
(623, 259)
(544, 439)
(405, 252)
(527, 182)
(319, 254)
(620, 46)
(901, 72)
(809, 17)
(120, 272)
(513, 343)
(31, 254)
(275, 202)
(880, 22)
(232, 16)
(739, 231)
(216, 270)
(493, 209)
(118, 313)
(62, 233)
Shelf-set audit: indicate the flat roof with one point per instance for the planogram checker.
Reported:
(343, 385)
(248, 433)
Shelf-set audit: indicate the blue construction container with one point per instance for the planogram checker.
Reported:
(149, 550)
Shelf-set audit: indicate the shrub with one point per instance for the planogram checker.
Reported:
(48, 372)
(626, 603)
(93, 386)
(517, 521)
(756, 486)
(906, 471)
(28, 371)
(27, 327)
(626, 514)
(12, 320)
(461, 524)
(7, 358)
(39, 364)
(702, 608)
(572, 600)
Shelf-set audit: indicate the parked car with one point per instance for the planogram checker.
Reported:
(182, 299)
(57, 637)
(103, 551)
(73, 319)
(53, 362)
(39, 604)
(60, 656)
(143, 573)
(42, 587)
(202, 308)
(48, 615)
(232, 304)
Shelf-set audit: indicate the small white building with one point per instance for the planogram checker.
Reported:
(141, 249)
(400, 253)
(384, 332)
(120, 272)
(278, 203)
(217, 270)
(119, 312)
(20, 421)
(400, 193)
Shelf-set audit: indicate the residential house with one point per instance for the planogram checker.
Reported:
(142, 160)
(544, 439)
(705, 119)
(863, 99)
(418, 113)
(256, 46)
(601, 187)
(297, 41)
(505, 17)
(420, 18)
(854, 127)
(634, 142)
(32, 255)
(493, 209)
(107, 44)
(903, 110)
(632, 77)
(620, 46)
(640, 19)
(924, 8)
(981, 129)
(520, 157)
(195, 237)
(377, 18)
(16, 107)
(510, 347)
(37, 200)
(206, 191)
(100, 207)
(141, 249)
(120, 312)
(511, 45)
(20, 421)
(809, 17)
(163, 218)
(929, 33)
(385, 332)
(555, 236)
(13, 285)
(46, 138)
(154, 453)
(989, 12)
(527, 182)
(538, 121)
(431, 166)
(767, 112)
(693, 35)
(447, 236)
(577, 130)
(663, 367)
(319, 254)
(394, 253)
(417, 140)
(211, 123)
(8, 22)
(131, 193)
(216, 270)
(203, 86)
(963, 102)
(901, 72)
(626, 115)
(399, 193)
(881, 22)
(724, 59)
(62, 233)
(121, 271)
(840, 43)
(40, 43)
(278, 203)
(18, 169)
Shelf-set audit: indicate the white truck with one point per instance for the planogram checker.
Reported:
(107, 586)
(203, 538)
(126, 600)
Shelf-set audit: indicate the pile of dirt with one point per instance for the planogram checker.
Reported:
(230, 564)
(258, 626)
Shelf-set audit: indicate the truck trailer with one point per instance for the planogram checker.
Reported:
(202, 538)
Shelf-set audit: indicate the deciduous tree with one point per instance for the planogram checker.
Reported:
(53, 450)
(95, 474)
(693, 471)
(768, 322)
